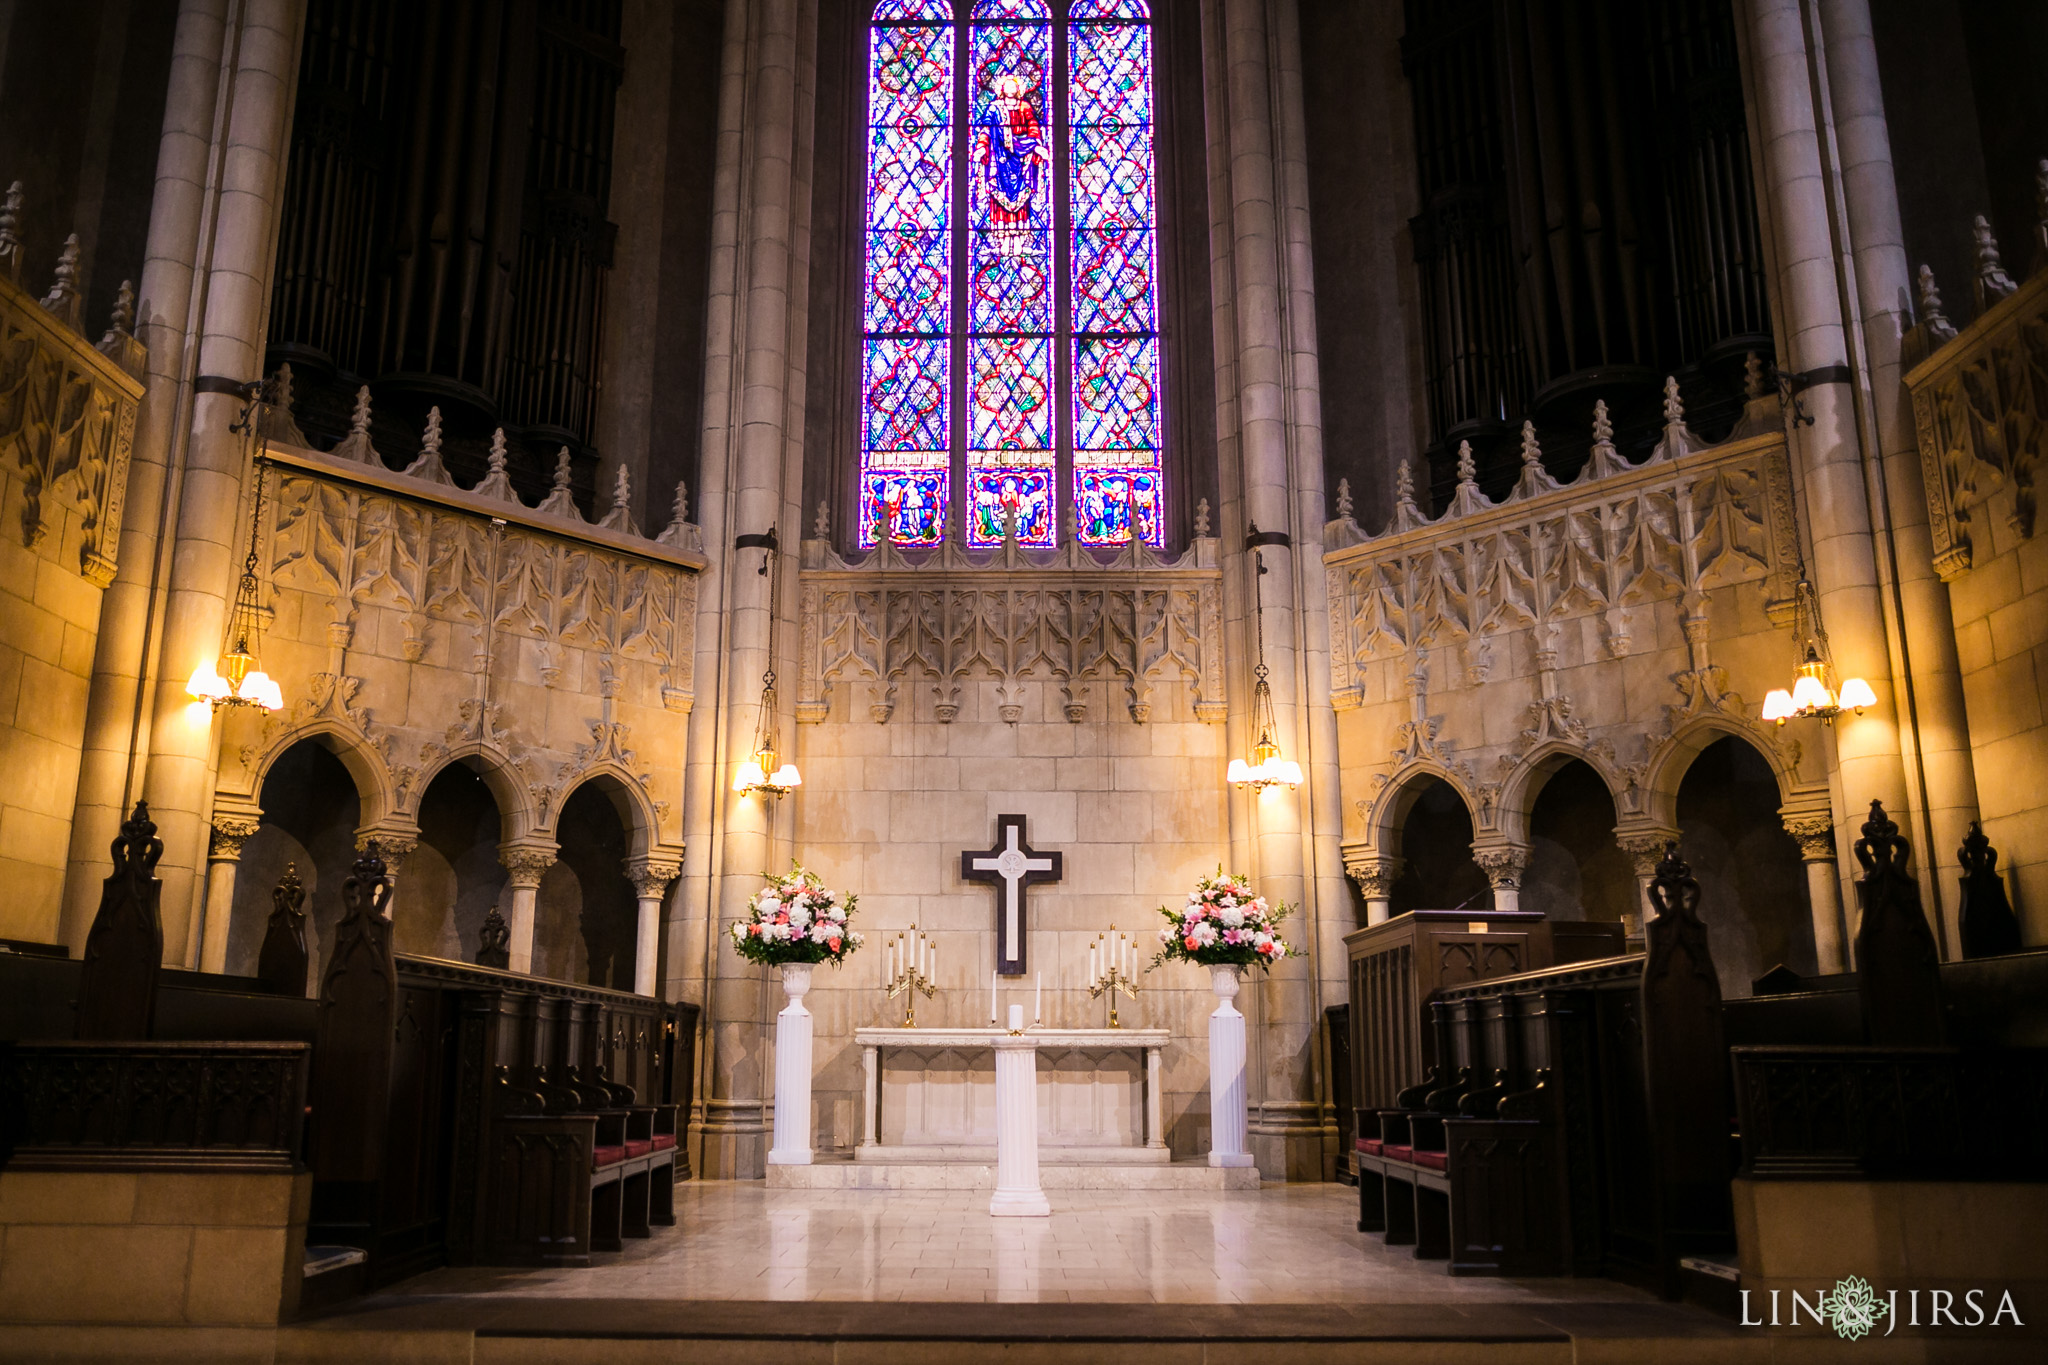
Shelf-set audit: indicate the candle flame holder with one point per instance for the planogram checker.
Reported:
(1117, 952)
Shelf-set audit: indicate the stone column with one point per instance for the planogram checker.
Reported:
(1645, 848)
(651, 878)
(1940, 770)
(525, 864)
(1376, 878)
(1503, 865)
(1816, 836)
(752, 480)
(1265, 415)
(223, 854)
(1226, 1072)
(1833, 455)
(207, 513)
(218, 161)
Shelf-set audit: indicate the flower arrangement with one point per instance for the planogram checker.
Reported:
(795, 919)
(1224, 923)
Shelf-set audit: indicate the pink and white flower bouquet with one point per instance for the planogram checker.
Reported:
(795, 919)
(1224, 923)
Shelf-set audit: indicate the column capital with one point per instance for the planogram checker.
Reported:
(1816, 836)
(1375, 874)
(1503, 865)
(651, 875)
(393, 843)
(527, 861)
(224, 844)
(1645, 846)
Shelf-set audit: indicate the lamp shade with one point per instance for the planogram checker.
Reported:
(1811, 694)
(749, 776)
(1283, 772)
(208, 685)
(1240, 774)
(1856, 694)
(786, 776)
(1778, 706)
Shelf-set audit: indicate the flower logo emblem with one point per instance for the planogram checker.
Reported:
(1853, 1309)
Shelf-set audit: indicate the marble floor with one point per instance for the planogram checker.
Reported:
(738, 1240)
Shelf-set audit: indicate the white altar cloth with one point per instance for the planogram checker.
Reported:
(930, 1095)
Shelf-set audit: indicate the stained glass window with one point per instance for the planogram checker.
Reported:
(1043, 308)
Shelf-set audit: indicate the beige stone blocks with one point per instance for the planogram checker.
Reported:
(151, 1247)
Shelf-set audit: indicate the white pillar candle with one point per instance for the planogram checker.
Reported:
(1016, 1018)
(1038, 1000)
(1094, 975)
(991, 999)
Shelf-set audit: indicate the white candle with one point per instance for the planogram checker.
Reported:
(1016, 1018)
(931, 958)
(1038, 1000)
(991, 999)
(1094, 974)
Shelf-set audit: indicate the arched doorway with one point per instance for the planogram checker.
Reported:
(1436, 851)
(1752, 884)
(310, 813)
(587, 915)
(452, 879)
(1576, 870)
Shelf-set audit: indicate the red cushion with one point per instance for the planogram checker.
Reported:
(636, 1147)
(1370, 1146)
(607, 1156)
(664, 1141)
(1433, 1160)
(1393, 1153)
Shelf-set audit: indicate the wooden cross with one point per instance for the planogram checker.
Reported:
(1010, 864)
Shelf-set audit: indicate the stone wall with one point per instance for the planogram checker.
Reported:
(67, 422)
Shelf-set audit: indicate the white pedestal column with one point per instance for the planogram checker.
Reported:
(650, 879)
(1018, 1193)
(1226, 1073)
(525, 865)
(793, 1071)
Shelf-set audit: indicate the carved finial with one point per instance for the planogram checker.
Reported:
(497, 483)
(1202, 518)
(1604, 461)
(287, 896)
(1468, 468)
(367, 890)
(1674, 406)
(560, 501)
(1673, 889)
(1933, 322)
(122, 324)
(428, 466)
(821, 528)
(1993, 283)
(1881, 849)
(1467, 499)
(620, 517)
(1977, 855)
(10, 230)
(679, 532)
(1678, 438)
(1989, 927)
(277, 422)
(1535, 478)
(1343, 499)
(62, 300)
(1407, 516)
(356, 445)
(1404, 483)
(136, 848)
(1754, 383)
(494, 943)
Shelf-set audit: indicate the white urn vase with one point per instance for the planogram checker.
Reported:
(793, 1071)
(1226, 1070)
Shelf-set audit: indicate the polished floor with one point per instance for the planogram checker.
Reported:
(1293, 1244)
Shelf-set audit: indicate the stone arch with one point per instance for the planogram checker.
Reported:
(1524, 784)
(628, 796)
(1669, 761)
(303, 812)
(1387, 812)
(500, 772)
(376, 788)
(586, 907)
(1754, 891)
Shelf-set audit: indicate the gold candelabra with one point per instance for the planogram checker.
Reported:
(913, 969)
(1113, 967)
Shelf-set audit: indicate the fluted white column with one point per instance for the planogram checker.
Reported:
(651, 878)
(223, 859)
(525, 864)
(793, 1071)
(1018, 1193)
(1816, 836)
(1226, 1073)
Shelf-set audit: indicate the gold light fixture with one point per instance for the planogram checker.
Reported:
(765, 774)
(1266, 768)
(236, 678)
(1810, 695)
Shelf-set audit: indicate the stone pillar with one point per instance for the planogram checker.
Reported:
(1816, 836)
(525, 863)
(206, 265)
(1833, 456)
(207, 513)
(1226, 1072)
(1645, 847)
(752, 480)
(1018, 1193)
(1376, 877)
(1267, 413)
(223, 854)
(1940, 771)
(1503, 865)
(651, 878)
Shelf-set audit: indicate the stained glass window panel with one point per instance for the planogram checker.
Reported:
(1110, 9)
(999, 492)
(1010, 405)
(913, 9)
(904, 393)
(1116, 395)
(1108, 499)
(1012, 9)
